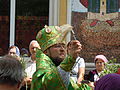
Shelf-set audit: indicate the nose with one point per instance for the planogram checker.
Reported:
(62, 48)
(11, 54)
(34, 49)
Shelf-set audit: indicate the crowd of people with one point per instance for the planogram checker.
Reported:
(55, 64)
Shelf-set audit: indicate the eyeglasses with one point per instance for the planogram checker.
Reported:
(60, 45)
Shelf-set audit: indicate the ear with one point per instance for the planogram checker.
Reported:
(19, 85)
(47, 52)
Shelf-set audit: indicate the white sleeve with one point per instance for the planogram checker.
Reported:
(64, 75)
(81, 63)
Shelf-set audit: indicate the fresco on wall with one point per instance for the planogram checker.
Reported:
(97, 26)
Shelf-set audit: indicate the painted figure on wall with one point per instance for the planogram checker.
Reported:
(101, 10)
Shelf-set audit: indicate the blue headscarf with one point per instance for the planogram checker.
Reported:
(17, 51)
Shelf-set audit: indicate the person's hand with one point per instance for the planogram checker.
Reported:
(91, 84)
(74, 48)
(79, 84)
(27, 80)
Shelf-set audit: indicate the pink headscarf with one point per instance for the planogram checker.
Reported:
(101, 57)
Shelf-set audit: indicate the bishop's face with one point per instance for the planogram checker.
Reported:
(57, 53)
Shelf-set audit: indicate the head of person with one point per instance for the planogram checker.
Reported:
(33, 47)
(11, 73)
(108, 82)
(13, 50)
(52, 40)
(24, 52)
(100, 61)
(69, 46)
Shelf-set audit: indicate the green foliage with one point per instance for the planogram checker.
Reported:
(22, 61)
(81, 86)
(111, 67)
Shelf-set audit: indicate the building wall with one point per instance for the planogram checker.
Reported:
(63, 12)
(101, 38)
(27, 28)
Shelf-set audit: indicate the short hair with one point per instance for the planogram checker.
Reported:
(33, 41)
(11, 71)
(11, 47)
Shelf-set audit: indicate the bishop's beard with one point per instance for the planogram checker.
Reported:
(56, 60)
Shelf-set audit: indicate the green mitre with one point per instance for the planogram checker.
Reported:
(51, 35)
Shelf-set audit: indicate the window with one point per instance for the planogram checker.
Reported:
(31, 16)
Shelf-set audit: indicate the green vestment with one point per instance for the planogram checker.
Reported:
(47, 76)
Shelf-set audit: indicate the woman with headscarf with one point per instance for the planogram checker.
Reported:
(24, 52)
(14, 51)
(100, 61)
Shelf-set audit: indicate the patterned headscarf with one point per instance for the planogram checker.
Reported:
(108, 82)
(101, 57)
(51, 35)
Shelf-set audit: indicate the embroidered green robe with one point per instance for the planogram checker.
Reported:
(47, 76)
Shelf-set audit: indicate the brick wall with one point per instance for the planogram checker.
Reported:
(26, 30)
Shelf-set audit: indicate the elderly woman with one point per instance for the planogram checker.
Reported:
(14, 51)
(100, 61)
